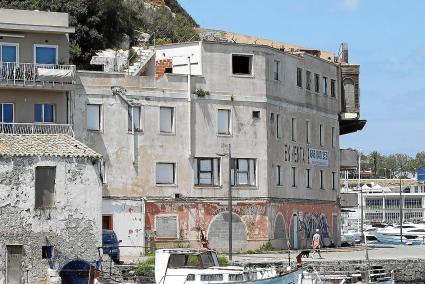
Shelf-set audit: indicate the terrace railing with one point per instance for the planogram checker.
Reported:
(32, 74)
(36, 128)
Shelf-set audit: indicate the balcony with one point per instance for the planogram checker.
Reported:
(30, 74)
(36, 128)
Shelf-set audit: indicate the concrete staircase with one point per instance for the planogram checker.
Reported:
(144, 56)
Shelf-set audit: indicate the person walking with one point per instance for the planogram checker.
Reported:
(316, 244)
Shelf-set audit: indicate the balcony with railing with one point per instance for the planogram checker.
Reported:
(36, 128)
(31, 74)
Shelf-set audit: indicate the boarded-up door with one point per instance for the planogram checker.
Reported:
(335, 229)
(14, 265)
(294, 232)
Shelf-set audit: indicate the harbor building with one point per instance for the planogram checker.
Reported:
(190, 122)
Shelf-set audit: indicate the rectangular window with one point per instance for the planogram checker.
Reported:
(165, 173)
(166, 227)
(44, 113)
(134, 118)
(46, 54)
(307, 178)
(242, 64)
(7, 113)
(321, 180)
(293, 129)
(166, 120)
(308, 80)
(294, 177)
(243, 172)
(321, 134)
(316, 83)
(94, 117)
(107, 222)
(307, 132)
(333, 137)
(333, 180)
(278, 126)
(333, 91)
(223, 121)
(44, 186)
(8, 52)
(325, 86)
(299, 77)
(278, 175)
(276, 70)
(207, 171)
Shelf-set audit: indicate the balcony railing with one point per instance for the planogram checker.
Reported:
(36, 128)
(32, 74)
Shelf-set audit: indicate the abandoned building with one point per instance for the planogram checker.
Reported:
(50, 183)
(185, 125)
(189, 121)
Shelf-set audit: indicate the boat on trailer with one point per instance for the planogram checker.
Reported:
(193, 266)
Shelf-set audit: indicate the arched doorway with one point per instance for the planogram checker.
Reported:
(218, 232)
(279, 234)
(75, 272)
(294, 232)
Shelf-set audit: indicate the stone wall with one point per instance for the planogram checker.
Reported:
(405, 270)
(72, 226)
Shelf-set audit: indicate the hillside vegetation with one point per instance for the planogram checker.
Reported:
(101, 24)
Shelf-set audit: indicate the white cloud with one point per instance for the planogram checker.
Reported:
(351, 4)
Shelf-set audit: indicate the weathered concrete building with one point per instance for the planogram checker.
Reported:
(50, 183)
(262, 120)
(50, 203)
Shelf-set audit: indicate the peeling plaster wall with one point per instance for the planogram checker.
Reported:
(72, 226)
(258, 217)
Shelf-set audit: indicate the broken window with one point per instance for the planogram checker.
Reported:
(294, 177)
(299, 77)
(166, 226)
(107, 222)
(321, 134)
(242, 64)
(243, 172)
(165, 173)
(333, 91)
(6, 112)
(333, 137)
(166, 118)
(223, 123)
(278, 175)
(44, 186)
(321, 179)
(134, 118)
(333, 180)
(256, 114)
(325, 86)
(46, 252)
(276, 70)
(207, 171)
(308, 80)
(93, 117)
(44, 113)
(316, 83)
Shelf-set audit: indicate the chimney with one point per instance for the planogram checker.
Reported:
(344, 51)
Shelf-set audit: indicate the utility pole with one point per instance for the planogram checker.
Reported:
(230, 205)
(401, 210)
(361, 197)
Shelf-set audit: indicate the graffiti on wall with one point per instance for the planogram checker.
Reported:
(312, 221)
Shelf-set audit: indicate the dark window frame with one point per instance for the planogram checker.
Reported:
(213, 177)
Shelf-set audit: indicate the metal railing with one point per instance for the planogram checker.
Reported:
(36, 128)
(30, 73)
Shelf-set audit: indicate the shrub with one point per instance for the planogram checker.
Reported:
(146, 267)
(222, 260)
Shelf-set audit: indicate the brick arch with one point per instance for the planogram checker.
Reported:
(218, 232)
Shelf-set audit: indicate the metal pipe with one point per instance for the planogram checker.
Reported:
(401, 211)
(361, 198)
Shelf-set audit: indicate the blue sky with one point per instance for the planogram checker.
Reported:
(386, 37)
